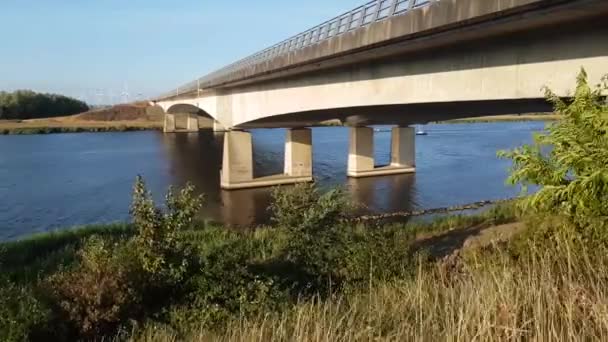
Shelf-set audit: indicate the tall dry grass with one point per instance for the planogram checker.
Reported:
(550, 294)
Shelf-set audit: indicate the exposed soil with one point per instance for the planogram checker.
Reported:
(138, 115)
(451, 243)
(123, 112)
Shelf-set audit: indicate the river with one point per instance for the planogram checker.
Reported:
(50, 182)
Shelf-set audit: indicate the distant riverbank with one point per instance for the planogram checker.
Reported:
(506, 118)
(49, 126)
(120, 118)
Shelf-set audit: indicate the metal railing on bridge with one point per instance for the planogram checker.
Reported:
(361, 16)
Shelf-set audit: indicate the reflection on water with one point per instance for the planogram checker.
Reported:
(385, 194)
(196, 158)
(55, 181)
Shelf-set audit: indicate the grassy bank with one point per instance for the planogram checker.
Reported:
(120, 118)
(550, 295)
(50, 126)
(456, 277)
(76, 129)
(107, 280)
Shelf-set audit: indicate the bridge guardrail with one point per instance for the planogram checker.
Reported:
(373, 11)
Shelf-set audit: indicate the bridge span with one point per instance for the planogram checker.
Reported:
(395, 62)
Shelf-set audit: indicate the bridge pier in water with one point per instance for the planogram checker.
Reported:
(170, 123)
(237, 163)
(361, 161)
(192, 123)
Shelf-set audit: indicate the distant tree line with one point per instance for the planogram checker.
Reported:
(26, 104)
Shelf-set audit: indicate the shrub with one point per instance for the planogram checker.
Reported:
(570, 161)
(304, 207)
(317, 236)
(162, 253)
(22, 315)
(114, 284)
(330, 252)
(103, 291)
(227, 284)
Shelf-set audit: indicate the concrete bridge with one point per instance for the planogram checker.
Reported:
(397, 62)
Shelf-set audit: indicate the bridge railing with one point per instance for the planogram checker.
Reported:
(373, 11)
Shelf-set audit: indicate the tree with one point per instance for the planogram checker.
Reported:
(26, 104)
(570, 160)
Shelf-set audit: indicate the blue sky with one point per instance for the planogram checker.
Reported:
(78, 47)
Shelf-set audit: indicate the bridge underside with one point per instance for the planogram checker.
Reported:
(403, 114)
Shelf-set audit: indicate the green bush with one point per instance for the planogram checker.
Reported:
(103, 291)
(317, 236)
(22, 316)
(115, 283)
(570, 161)
(228, 284)
(328, 251)
(162, 253)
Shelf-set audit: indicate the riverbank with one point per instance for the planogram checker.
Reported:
(52, 128)
(466, 276)
(98, 281)
(63, 125)
(506, 118)
(120, 118)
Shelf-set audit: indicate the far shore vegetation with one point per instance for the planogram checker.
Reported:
(26, 104)
(118, 118)
(507, 118)
(532, 269)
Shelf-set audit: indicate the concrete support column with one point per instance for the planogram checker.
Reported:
(169, 126)
(237, 163)
(360, 151)
(192, 123)
(403, 147)
(218, 127)
(298, 152)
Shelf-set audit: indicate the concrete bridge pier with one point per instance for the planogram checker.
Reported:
(361, 162)
(218, 127)
(169, 125)
(237, 163)
(192, 123)
(403, 148)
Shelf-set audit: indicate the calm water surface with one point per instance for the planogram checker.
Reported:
(49, 182)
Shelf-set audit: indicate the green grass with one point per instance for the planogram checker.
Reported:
(41, 254)
(232, 275)
(489, 292)
(559, 295)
